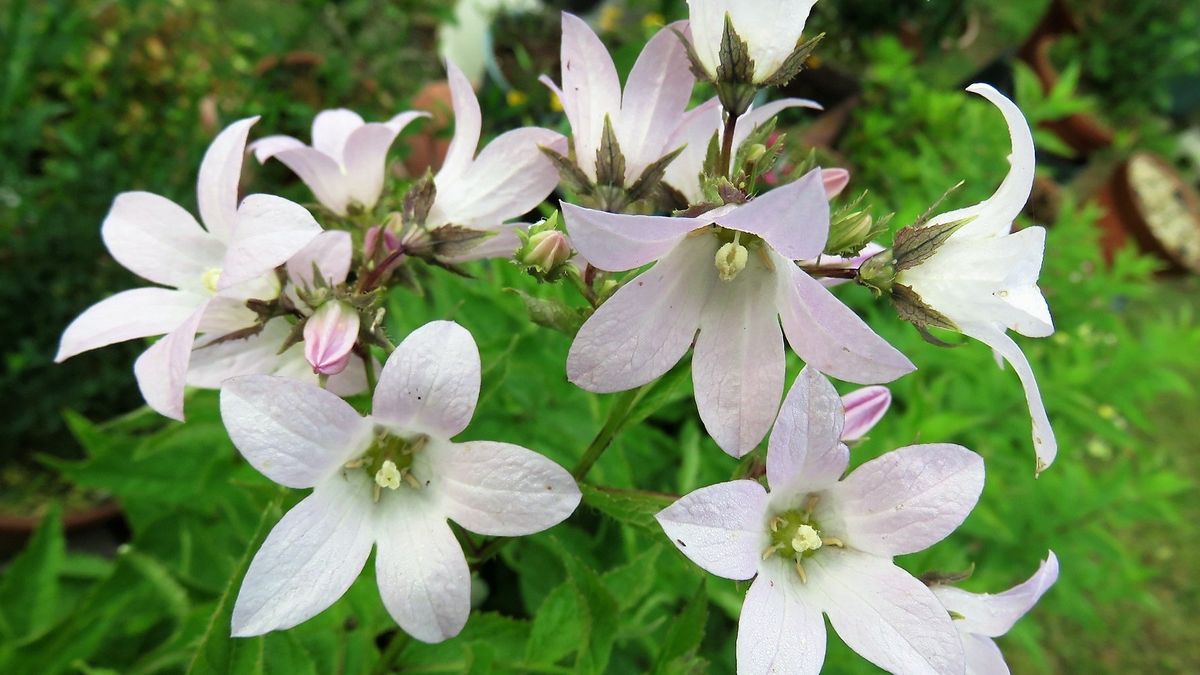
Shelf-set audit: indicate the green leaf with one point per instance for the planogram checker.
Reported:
(560, 626)
(602, 613)
(29, 588)
(678, 655)
(629, 507)
(631, 582)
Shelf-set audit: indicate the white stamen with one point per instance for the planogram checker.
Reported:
(806, 539)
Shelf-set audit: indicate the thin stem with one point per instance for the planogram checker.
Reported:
(369, 368)
(582, 286)
(396, 645)
(832, 272)
(618, 415)
(727, 144)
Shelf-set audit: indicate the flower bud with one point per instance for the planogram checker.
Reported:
(329, 337)
(546, 250)
(731, 259)
(864, 408)
(850, 233)
(377, 236)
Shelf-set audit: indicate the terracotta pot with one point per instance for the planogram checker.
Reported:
(16, 530)
(1148, 204)
(430, 144)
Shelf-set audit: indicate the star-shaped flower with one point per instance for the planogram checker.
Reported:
(389, 481)
(729, 275)
(817, 543)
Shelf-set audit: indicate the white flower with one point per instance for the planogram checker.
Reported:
(210, 270)
(815, 544)
(388, 481)
(980, 617)
(984, 278)
(466, 39)
(770, 28)
(346, 165)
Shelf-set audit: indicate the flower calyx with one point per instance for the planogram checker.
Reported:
(544, 250)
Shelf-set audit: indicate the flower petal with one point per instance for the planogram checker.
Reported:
(422, 573)
(793, 219)
(864, 408)
(656, 93)
(983, 656)
(805, 453)
(499, 489)
(770, 28)
(161, 370)
(834, 180)
(331, 130)
(994, 615)
(321, 174)
(296, 434)
(738, 364)
(648, 325)
(722, 528)
(267, 147)
(694, 131)
(884, 614)
(136, 313)
(330, 251)
(778, 632)
(430, 384)
(214, 362)
(468, 122)
(158, 240)
(590, 86)
(365, 157)
(907, 500)
(1045, 446)
(830, 337)
(270, 231)
(615, 242)
(220, 173)
(309, 560)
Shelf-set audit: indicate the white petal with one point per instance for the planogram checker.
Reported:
(616, 242)
(502, 243)
(296, 434)
(983, 656)
(648, 325)
(793, 219)
(267, 147)
(161, 370)
(722, 528)
(656, 93)
(864, 408)
(136, 313)
(270, 231)
(468, 121)
(430, 384)
(422, 573)
(830, 337)
(779, 633)
(331, 129)
(220, 173)
(590, 86)
(756, 117)
(331, 251)
(805, 453)
(365, 157)
(211, 364)
(309, 560)
(994, 615)
(738, 364)
(883, 613)
(322, 174)
(499, 489)
(695, 131)
(159, 241)
(1045, 446)
(909, 499)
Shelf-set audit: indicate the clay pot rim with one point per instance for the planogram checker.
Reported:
(72, 520)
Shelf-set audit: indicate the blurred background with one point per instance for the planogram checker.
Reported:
(101, 97)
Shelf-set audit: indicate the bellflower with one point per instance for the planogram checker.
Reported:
(642, 116)
(208, 271)
(729, 275)
(346, 164)
(770, 28)
(388, 481)
(816, 543)
(983, 279)
(981, 617)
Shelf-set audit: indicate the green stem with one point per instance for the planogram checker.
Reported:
(618, 415)
(369, 368)
(396, 645)
(580, 285)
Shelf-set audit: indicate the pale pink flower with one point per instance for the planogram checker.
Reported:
(346, 164)
(816, 543)
(329, 337)
(770, 28)
(388, 481)
(643, 116)
(984, 278)
(210, 271)
(864, 408)
(981, 617)
(736, 302)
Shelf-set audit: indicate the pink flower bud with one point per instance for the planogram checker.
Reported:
(329, 336)
(864, 407)
(547, 250)
(835, 181)
(372, 241)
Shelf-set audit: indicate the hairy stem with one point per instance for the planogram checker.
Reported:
(618, 415)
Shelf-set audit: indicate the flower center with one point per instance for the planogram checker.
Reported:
(389, 461)
(796, 535)
(210, 278)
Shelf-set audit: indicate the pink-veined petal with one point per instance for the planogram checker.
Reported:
(883, 613)
(220, 173)
(738, 364)
(136, 313)
(158, 240)
(793, 219)
(309, 560)
(331, 129)
(330, 251)
(329, 336)
(779, 631)
(830, 337)
(994, 615)
(365, 157)
(270, 231)
(430, 384)
(907, 500)
(656, 93)
(321, 173)
(1045, 446)
(616, 242)
(648, 325)
(864, 408)
(722, 528)
(590, 86)
(468, 121)
(805, 452)
(267, 147)
(296, 434)
(500, 489)
(422, 573)
(161, 370)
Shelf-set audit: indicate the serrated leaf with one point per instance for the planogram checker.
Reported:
(630, 507)
(560, 626)
(678, 655)
(29, 587)
(735, 64)
(602, 612)
(795, 61)
(631, 582)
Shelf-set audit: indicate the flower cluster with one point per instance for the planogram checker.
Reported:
(668, 232)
